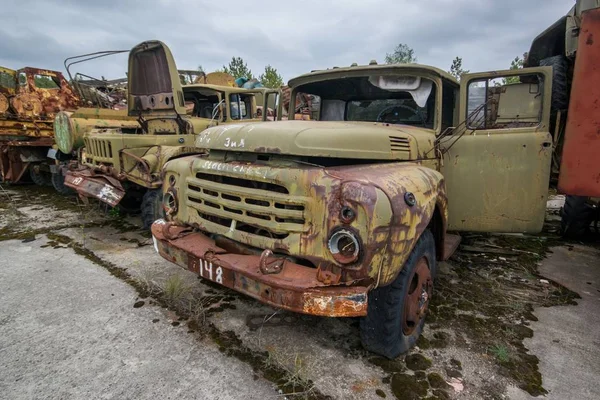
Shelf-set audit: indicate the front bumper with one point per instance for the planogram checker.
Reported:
(89, 184)
(295, 287)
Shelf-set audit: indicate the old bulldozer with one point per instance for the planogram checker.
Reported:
(29, 100)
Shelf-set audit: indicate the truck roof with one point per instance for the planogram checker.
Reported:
(339, 72)
(229, 89)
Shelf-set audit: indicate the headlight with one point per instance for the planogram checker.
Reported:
(344, 246)
(170, 203)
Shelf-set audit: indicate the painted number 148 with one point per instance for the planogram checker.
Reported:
(206, 271)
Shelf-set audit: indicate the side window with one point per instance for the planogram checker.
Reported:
(22, 79)
(505, 102)
(7, 80)
(308, 107)
(45, 82)
(449, 103)
(240, 106)
(269, 107)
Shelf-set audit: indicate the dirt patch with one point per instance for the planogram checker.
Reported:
(487, 297)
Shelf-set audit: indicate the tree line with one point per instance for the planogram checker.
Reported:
(402, 54)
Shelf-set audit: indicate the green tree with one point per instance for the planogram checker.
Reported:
(517, 63)
(238, 68)
(456, 69)
(402, 54)
(270, 78)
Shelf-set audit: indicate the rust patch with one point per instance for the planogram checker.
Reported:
(295, 287)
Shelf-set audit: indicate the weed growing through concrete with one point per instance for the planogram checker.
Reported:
(500, 352)
(296, 369)
(176, 290)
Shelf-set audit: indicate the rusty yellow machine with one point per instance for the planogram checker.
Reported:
(29, 100)
(347, 214)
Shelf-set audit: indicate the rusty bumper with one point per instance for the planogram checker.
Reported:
(281, 284)
(88, 184)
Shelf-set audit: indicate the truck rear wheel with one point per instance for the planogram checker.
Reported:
(152, 208)
(39, 177)
(577, 216)
(396, 312)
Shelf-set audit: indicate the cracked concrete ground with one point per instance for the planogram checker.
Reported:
(567, 339)
(68, 328)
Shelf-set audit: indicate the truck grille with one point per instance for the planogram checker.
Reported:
(98, 150)
(255, 207)
(400, 144)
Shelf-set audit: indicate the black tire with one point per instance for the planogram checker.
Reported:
(576, 217)
(560, 85)
(58, 181)
(382, 331)
(152, 208)
(40, 178)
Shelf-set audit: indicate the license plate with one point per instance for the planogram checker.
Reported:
(208, 270)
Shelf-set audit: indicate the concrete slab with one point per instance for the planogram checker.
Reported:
(567, 339)
(68, 330)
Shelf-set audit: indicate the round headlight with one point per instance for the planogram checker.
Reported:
(170, 203)
(344, 246)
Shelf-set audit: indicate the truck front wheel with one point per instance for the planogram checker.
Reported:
(396, 312)
(152, 208)
(58, 181)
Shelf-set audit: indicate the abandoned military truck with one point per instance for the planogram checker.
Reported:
(347, 215)
(119, 160)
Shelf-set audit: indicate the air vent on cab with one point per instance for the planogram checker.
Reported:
(400, 144)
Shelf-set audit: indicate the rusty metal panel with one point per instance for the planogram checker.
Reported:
(580, 165)
(86, 185)
(498, 182)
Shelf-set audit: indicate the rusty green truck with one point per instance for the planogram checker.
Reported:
(119, 159)
(347, 214)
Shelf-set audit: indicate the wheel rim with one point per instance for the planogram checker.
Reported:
(417, 297)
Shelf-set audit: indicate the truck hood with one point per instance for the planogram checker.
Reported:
(356, 140)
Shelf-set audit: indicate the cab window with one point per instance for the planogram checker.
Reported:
(240, 106)
(7, 80)
(505, 102)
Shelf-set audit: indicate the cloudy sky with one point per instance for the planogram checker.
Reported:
(293, 36)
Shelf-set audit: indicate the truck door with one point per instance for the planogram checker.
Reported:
(496, 162)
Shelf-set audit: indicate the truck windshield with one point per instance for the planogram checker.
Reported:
(391, 111)
(394, 99)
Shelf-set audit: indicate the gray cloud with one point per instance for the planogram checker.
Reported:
(294, 37)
